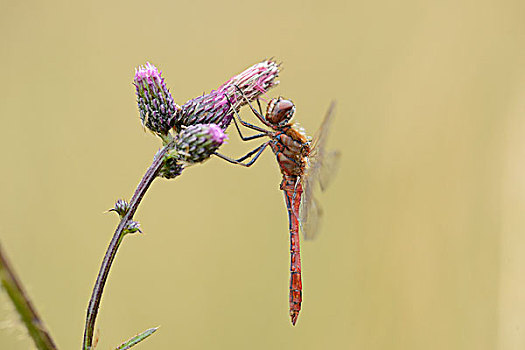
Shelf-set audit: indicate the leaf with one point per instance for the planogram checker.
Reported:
(137, 339)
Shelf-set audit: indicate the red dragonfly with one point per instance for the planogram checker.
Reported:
(304, 164)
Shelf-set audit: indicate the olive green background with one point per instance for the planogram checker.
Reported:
(424, 231)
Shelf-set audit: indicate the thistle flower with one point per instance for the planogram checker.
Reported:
(196, 143)
(214, 107)
(253, 82)
(155, 102)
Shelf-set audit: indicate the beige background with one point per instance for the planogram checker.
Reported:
(424, 234)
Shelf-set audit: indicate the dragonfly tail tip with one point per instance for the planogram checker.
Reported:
(294, 316)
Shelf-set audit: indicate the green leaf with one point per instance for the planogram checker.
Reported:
(137, 339)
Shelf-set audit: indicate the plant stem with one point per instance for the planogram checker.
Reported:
(35, 326)
(96, 296)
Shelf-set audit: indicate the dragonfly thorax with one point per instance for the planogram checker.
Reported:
(279, 112)
(291, 149)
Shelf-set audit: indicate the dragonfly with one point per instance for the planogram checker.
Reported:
(306, 166)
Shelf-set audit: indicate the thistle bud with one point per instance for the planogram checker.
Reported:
(212, 108)
(253, 82)
(197, 143)
(156, 105)
(171, 167)
(133, 226)
(121, 207)
(215, 107)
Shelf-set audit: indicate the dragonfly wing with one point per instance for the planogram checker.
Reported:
(320, 137)
(320, 170)
(322, 165)
(328, 168)
(310, 217)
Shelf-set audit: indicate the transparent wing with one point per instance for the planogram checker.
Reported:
(328, 169)
(319, 141)
(321, 167)
(310, 215)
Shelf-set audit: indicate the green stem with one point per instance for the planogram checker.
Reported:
(35, 326)
(111, 252)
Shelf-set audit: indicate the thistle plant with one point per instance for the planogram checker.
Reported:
(190, 134)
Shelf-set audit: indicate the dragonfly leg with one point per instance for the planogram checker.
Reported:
(258, 151)
(259, 104)
(248, 138)
(244, 123)
(260, 115)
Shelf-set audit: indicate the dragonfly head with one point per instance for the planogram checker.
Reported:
(280, 111)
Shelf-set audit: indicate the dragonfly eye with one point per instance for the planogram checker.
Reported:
(280, 111)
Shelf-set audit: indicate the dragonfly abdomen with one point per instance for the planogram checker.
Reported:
(293, 190)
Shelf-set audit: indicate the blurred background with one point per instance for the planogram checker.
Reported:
(424, 231)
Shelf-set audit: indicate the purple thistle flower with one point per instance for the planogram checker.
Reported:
(156, 105)
(196, 143)
(214, 107)
(253, 82)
